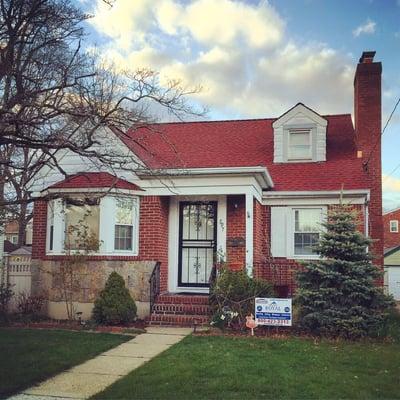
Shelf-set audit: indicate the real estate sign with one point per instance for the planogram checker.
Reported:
(273, 312)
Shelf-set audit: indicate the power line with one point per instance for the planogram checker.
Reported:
(383, 131)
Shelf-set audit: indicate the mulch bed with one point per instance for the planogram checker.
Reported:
(132, 328)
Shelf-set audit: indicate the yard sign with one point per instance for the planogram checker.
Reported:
(274, 312)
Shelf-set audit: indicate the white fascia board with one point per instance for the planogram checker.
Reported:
(356, 196)
(202, 185)
(89, 190)
(261, 173)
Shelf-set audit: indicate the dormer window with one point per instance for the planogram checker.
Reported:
(299, 144)
(300, 136)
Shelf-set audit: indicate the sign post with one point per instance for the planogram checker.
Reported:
(273, 312)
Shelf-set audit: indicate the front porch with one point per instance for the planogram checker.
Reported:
(202, 231)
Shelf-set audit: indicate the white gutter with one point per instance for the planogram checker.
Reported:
(316, 193)
(357, 196)
(90, 190)
(261, 173)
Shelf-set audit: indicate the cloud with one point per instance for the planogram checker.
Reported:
(390, 183)
(222, 22)
(368, 28)
(391, 192)
(239, 52)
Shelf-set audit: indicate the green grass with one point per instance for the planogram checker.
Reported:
(251, 368)
(28, 356)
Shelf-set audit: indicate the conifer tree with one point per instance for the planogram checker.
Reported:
(337, 294)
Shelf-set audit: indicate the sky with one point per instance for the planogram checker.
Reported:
(257, 58)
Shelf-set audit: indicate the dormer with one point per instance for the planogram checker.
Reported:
(300, 136)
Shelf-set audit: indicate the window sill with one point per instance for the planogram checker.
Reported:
(297, 257)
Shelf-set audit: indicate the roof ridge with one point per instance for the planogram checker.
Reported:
(237, 120)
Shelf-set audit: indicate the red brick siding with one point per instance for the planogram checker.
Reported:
(260, 236)
(391, 239)
(236, 230)
(153, 234)
(39, 227)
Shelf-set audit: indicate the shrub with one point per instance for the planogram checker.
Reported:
(232, 297)
(6, 294)
(114, 305)
(30, 305)
(337, 294)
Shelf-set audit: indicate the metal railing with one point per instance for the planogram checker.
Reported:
(213, 275)
(154, 282)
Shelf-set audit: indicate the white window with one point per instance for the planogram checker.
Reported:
(81, 224)
(112, 222)
(299, 144)
(394, 226)
(296, 230)
(124, 220)
(307, 228)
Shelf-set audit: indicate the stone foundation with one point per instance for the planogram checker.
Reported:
(89, 279)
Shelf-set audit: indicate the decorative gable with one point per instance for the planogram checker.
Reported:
(300, 136)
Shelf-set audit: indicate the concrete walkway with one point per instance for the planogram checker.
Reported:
(93, 376)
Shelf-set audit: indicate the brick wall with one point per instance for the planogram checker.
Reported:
(236, 232)
(367, 118)
(391, 239)
(153, 234)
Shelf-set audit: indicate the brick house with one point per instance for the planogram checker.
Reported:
(391, 229)
(249, 192)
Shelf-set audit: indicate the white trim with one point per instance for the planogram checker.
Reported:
(91, 190)
(173, 238)
(249, 233)
(297, 109)
(396, 223)
(315, 197)
(291, 231)
(202, 186)
(261, 173)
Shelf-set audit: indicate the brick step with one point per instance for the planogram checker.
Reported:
(182, 299)
(188, 309)
(178, 320)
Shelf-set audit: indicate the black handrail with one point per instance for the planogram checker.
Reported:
(154, 282)
(213, 275)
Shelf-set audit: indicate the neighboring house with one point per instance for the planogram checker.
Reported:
(392, 271)
(11, 232)
(391, 232)
(250, 192)
(391, 228)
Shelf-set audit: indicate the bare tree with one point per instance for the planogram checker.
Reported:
(54, 96)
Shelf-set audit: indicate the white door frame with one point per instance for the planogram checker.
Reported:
(173, 238)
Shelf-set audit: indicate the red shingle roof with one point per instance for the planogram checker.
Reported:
(94, 180)
(250, 143)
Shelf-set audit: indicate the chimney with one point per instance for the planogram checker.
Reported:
(367, 120)
(367, 104)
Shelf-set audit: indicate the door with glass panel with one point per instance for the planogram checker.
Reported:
(197, 242)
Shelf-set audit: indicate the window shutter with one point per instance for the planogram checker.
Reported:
(278, 231)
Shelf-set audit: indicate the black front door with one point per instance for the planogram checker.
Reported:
(197, 242)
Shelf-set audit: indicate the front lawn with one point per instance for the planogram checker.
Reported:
(28, 356)
(254, 368)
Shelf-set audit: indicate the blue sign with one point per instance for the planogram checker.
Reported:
(273, 312)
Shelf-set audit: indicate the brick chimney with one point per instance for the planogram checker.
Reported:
(368, 120)
(367, 104)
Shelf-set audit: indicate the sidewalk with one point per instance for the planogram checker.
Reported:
(93, 376)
